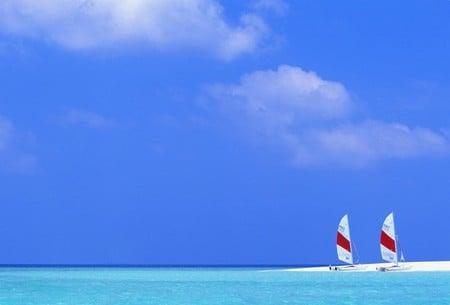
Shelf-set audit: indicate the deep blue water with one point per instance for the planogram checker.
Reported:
(186, 286)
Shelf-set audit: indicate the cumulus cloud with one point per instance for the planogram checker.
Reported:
(12, 158)
(85, 119)
(156, 24)
(312, 118)
(286, 96)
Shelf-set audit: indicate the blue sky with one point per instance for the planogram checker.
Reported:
(213, 132)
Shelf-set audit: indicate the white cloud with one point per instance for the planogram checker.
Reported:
(12, 158)
(86, 119)
(285, 97)
(156, 24)
(311, 117)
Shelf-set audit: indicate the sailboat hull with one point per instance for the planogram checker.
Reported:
(394, 268)
(348, 268)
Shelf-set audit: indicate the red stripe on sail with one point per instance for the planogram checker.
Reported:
(343, 242)
(387, 241)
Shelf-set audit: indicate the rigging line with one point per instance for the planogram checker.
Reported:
(402, 257)
(356, 252)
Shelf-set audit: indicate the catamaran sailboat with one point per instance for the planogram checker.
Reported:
(389, 246)
(344, 247)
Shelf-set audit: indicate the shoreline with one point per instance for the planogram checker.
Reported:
(420, 266)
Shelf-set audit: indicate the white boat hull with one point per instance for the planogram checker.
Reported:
(402, 267)
(348, 268)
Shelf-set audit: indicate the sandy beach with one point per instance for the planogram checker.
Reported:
(411, 267)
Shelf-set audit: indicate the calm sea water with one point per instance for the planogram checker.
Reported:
(178, 286)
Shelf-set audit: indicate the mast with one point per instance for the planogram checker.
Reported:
(395, 239)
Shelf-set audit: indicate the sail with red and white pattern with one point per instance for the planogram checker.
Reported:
(388, 241)
(343, 241)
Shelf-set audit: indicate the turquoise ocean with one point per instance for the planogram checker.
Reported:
(210, 286)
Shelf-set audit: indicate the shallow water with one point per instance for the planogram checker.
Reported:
(186, 286)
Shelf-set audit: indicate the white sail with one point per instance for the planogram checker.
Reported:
(343, 241)
(388, 242)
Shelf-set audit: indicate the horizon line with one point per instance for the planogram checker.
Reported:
(155, 265)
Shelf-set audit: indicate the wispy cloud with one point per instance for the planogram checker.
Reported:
(85, 119)
(155, 24)
(359, 144)
(12, 157)
(312, 118)
(277, 6)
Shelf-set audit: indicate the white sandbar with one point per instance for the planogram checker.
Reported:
(412, 266)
